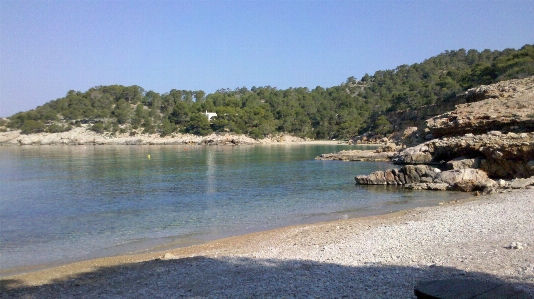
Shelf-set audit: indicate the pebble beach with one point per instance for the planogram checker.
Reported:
(489, 237)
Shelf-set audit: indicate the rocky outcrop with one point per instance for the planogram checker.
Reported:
(506, 106)
(503, 106)
(499, 155)
(488, 135)
(463, 163)
(430, 178)
(405, 175)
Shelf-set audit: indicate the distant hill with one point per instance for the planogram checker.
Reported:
(342, 111)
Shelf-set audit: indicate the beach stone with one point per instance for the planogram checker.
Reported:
(168, 256)
(515, 245)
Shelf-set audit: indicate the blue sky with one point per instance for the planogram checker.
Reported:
(50, 47)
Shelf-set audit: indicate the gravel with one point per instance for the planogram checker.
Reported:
(489, 238)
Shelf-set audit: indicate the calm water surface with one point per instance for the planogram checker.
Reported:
(65, 203)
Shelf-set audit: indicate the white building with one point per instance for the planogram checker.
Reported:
(210, 114)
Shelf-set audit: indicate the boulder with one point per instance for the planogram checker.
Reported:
(521, 183)
(26, 140)
(467, 180)
(375, 178)
(462, 162)
(451, 177)
(419, 173)
(424, 177)
(419, 154)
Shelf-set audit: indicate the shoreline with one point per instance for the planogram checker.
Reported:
(162, 248)
(467, 237)
(84, 136)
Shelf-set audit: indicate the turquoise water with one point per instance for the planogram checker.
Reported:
(60, 204)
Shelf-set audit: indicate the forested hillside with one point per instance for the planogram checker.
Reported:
(321, 113)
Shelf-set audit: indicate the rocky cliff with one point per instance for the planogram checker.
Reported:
(506, 106)
(486, 142)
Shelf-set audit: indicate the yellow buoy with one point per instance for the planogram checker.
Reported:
(148, 157)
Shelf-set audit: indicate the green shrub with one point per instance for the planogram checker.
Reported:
(32, 126)
(149, 130)
(98, 127)
(255, 133)
(55, 128)
(382, 125)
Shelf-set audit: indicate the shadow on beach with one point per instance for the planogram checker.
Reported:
(203, 277)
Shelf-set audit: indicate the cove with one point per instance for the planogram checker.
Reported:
(61, 204)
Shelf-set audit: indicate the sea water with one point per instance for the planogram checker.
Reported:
(60, 204)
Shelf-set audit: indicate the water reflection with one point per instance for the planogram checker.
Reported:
(211, 186)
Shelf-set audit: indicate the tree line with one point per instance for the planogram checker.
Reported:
(343, 111)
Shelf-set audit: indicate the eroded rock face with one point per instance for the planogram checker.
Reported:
(506, 106)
